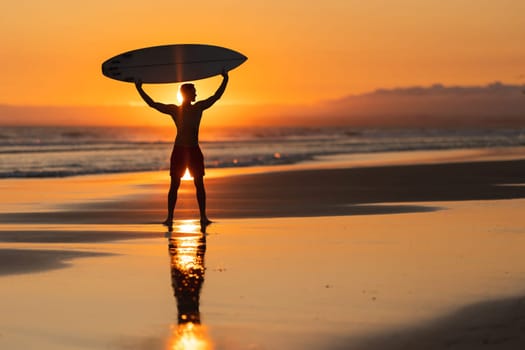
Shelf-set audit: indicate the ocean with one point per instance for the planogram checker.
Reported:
(69, 151)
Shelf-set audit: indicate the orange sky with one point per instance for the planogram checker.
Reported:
(299, 52)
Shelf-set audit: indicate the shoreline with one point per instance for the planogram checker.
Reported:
(329, 161)
(294, 193)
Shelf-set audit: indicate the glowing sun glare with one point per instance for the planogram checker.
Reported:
(187, 175)
(179, 98)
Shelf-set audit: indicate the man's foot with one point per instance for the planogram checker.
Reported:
(168, 222)
(205, 223)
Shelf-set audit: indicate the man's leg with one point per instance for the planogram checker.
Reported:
(172, 199)
(201, 198)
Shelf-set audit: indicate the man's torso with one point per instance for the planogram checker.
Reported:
(187, 120)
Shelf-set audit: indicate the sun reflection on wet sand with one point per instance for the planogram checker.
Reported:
(189, 336)
(187, 248)
(187, 227)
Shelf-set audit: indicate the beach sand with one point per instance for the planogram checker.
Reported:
(340, 254)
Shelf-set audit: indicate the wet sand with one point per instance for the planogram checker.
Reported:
(486, 325)
(19, 261)
(331, 257)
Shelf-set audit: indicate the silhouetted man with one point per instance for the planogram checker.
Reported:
(186, 151)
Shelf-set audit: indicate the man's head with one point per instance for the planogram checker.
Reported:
(188, 92)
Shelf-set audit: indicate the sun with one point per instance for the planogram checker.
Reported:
(187, 176)
(179, 97)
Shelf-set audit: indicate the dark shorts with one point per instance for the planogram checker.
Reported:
(183, 157)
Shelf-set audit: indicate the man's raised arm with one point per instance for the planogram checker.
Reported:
(161, 107)
(207, 103)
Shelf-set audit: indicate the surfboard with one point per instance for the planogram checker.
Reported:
(171, 63)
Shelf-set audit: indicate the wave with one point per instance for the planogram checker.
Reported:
(117, 166)
(62, 152)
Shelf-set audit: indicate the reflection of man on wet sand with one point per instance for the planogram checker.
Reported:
(186, 152)
(187, 277)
